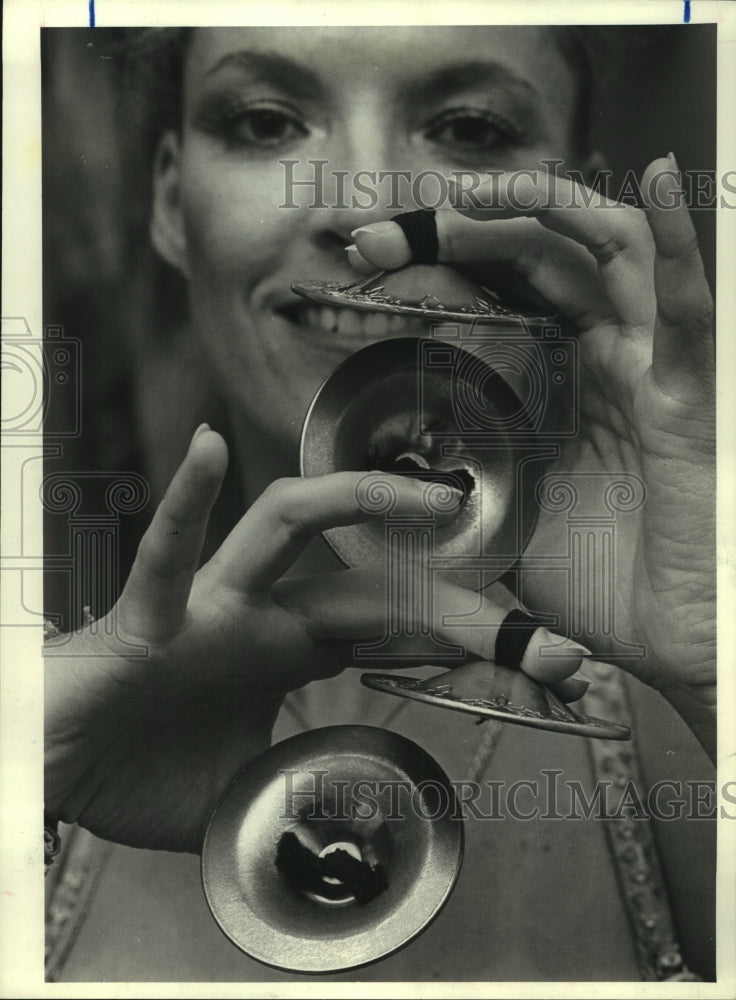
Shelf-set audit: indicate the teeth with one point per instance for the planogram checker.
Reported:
(376, 324)
(357, 323)
(328, 318)
(349, 322)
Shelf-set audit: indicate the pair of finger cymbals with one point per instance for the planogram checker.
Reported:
(299, 871)
(436, 411)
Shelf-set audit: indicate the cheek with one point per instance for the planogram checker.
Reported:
(238, 237)
(234, 225)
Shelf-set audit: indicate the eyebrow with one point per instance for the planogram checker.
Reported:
(269, 67)
(299, 81)
(467, 75)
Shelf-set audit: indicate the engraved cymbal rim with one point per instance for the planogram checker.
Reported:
(272, 919)
(561, 719)
(383, 293)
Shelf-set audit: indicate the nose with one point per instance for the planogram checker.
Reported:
(364, 177)
(339, 200)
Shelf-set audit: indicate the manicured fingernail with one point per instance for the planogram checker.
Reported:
(199, 431)
(448, 510)
(422, 484)
(575, 647)
(571, 688)
(377, 229)
(562, 646)
(550, 658)
(383, 244)
(358, 262)
(440, 500)
(456, 496)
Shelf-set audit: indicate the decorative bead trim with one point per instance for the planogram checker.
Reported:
(631, 840)
(73, 883)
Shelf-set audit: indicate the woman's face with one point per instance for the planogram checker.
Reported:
(444, 99)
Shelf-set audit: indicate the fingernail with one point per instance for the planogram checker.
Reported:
(424, 485)
(456, 496)
(675, 168)
(568, 647)
(358, 262)
(575, 647)
(386, 228)
(439, 504)
(571, 688)
(449, 509)
(383, 244)
(199, 431)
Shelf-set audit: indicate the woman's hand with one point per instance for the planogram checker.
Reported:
(153, 709)
(632, 283)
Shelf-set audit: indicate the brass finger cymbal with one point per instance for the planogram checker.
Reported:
(489, 691)
(461, 413)
(434, 293)
(399, 406)
(436, 411)
(313, 862)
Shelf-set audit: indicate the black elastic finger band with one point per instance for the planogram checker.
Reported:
(420, 230)
(513, 637)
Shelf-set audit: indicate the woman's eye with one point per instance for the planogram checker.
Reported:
(266, 127)
(471, 131)
(246, 127)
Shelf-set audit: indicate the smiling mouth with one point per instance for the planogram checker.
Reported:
(360, 324)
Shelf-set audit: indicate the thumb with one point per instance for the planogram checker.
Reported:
(154, 601)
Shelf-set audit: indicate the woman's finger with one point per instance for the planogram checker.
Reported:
(354, 604)
(268, 539)
(154, 601)
(682, 363)
(556, 267)
(571, 688)
(615, 235)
